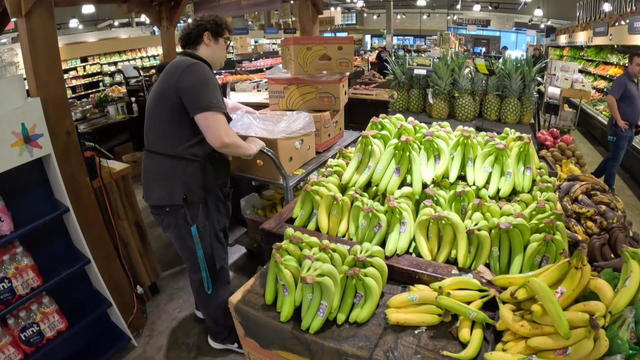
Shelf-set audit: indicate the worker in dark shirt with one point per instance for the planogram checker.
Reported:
(383, 61)
(537, 56)
(186, 168)
(624, 104)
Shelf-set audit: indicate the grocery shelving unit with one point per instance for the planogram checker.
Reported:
(593, 123)
(106, 64)
(45, 225)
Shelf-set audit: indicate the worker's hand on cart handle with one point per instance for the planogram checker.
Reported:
(622, 125)
(256, 144)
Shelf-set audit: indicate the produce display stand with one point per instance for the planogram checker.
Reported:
(289, 182)
(405, 269)
(479, 124)
(264, 337)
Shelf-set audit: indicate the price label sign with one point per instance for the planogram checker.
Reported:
(634, 25)
(601, 29)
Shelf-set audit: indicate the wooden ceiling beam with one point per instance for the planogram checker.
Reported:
(18, 8)
(66, 3)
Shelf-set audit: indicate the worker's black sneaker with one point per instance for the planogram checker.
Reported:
(233, 347)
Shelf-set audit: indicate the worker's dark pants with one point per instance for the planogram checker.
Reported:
(611, 162)
(212, 220)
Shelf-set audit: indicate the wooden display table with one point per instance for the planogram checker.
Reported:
(264, 337)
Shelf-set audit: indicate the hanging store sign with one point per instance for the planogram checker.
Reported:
(601, 29)
(471, 21)
(271, 30)
(634, 25)
(240, 31)
(591, 10)
(290, 31)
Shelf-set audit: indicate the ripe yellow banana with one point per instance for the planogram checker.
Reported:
(594, 308)
(555, 341)
(509, 280)
(629, 286)
(413, 298)
(602, 289)
(456, 283)
(465, 324)
(462, 309)
(502, 355)
(601, 346)
(415, 319)
(416, 309)
(578, 351)
(474, 346)
(522, 327)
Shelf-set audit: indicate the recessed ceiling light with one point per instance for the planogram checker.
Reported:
(73, 23)
(538, 12)
(360, 4)
(88, 9)
(542, 26)
(477, 7)
(116, 23)
(333, 9)
(80, 26)
(424, 16)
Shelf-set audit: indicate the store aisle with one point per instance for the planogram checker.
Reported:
(627, 189)
(172, 331)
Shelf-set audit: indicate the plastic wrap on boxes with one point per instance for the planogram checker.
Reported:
(273, 125)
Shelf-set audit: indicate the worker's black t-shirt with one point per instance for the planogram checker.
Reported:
(174, 144)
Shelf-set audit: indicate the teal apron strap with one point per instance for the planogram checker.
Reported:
(204, 269)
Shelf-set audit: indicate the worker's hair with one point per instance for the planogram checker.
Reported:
(191, 36)
(633, 56)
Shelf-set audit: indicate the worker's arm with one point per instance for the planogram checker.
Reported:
(613, 107)
(221, 137)
(233, 107)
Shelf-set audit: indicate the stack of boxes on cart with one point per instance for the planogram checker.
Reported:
(313, 78)
(564, 81)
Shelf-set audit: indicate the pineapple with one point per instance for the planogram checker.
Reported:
(400, 84)
(479, 90)
(529, 78)
(441, 84)
(417, 95)
(491, 104)
(465, 104)
(511, 109)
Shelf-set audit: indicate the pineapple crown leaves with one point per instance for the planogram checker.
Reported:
(463, 81)
(479, 83)
(398, 72)
(441, 80)
(493, 85)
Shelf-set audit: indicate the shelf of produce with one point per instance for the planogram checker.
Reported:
(86, 92)
(310, 167)
(84, 82)
(596, 74)
(127, 59)
(81, 75)
(83, 64)
(406, 269)
(591, 111)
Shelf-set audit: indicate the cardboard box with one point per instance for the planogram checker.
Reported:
(293, 152)
(563, 67)
(563, 81)
(329, 128)
(308, 93)
(307, 55)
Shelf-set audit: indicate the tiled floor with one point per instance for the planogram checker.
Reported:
(174, 333)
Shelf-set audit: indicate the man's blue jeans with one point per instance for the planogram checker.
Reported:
(610, 164)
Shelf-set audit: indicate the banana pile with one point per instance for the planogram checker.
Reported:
(589, 207)
(273, 202)
(325, 280)
(539, 315)
(430, 305)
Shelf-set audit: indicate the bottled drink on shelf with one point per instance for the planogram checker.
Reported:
(9, 349)
(30, 335)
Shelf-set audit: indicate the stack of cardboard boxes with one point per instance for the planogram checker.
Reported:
(316, 81)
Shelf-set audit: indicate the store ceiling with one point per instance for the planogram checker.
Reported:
(554, 9)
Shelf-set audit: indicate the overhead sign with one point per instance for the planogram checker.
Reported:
(472, 21)
(326, 21)
(290, 31)
(472, 28)
(240, 31)
(601, 29)
(591, 10)
(271, 30)
(634, 25)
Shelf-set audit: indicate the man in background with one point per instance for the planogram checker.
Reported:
(624, 104)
